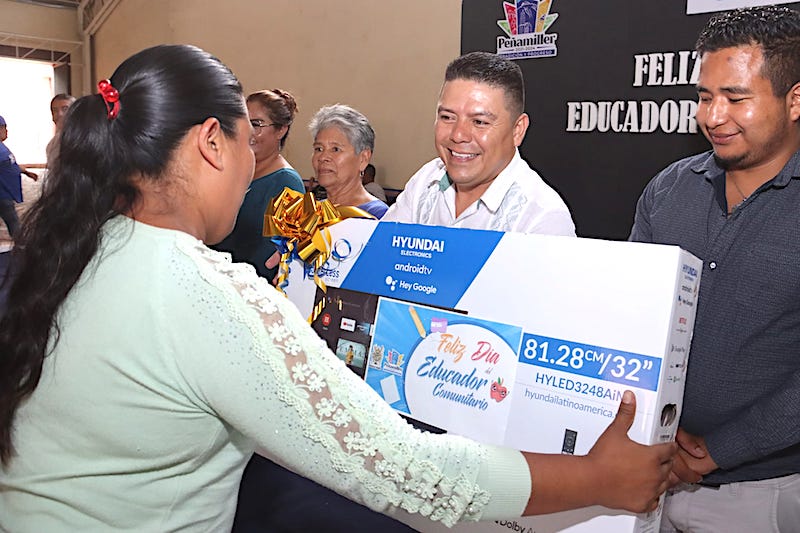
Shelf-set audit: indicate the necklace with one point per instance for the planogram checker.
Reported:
(739, 190)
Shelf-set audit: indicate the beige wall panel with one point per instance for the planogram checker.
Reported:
(131, 27)
(44, 22)
(387, 59)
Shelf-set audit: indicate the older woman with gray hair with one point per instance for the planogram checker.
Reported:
(343, 144)
(271, 497)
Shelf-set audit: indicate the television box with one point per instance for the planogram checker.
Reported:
(526, 341)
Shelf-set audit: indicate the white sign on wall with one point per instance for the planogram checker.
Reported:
(707, 6)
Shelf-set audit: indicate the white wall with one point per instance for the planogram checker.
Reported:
(386, 59)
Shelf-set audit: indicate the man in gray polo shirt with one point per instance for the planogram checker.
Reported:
(737, 208)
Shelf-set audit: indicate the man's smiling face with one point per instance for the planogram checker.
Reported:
(476, 136)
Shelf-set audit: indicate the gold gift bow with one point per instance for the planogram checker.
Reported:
(303, 223)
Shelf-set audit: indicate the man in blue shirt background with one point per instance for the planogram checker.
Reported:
(10, 182)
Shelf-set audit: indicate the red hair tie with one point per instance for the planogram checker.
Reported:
(110, 97)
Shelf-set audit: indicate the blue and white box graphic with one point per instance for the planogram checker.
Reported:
(580, 321)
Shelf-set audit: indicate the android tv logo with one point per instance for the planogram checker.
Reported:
(525, 25)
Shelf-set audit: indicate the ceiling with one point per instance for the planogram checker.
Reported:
(51, 3)
(55, 51)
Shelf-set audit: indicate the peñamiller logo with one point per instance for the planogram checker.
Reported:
(525, 25)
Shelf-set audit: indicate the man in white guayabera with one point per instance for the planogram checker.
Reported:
(479, 180)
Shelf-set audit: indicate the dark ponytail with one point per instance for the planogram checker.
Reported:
(164, 91)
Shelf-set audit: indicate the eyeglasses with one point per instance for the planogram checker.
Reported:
(259, 124)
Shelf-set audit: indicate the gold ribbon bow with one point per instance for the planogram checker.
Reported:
(303, 223)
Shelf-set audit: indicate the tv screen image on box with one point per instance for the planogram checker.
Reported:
(353, 354)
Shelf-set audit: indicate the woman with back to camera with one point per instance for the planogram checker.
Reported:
(139, 369)
(271, 115)
(343, 145)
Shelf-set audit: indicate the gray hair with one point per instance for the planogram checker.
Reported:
(353, 124)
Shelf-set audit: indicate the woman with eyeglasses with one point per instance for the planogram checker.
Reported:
(271, 115)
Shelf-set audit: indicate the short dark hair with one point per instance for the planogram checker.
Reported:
(369, 170)
(776, 29)
(62, 96)
(491, 69)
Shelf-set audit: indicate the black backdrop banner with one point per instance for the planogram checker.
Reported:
(610, 88)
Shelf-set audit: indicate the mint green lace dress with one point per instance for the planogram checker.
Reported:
(173, 366)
